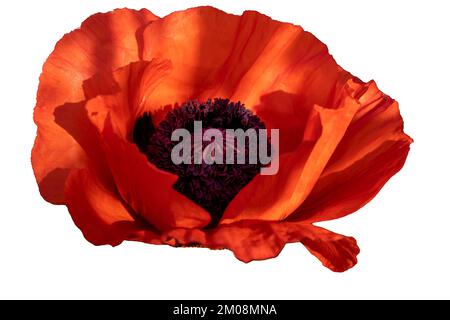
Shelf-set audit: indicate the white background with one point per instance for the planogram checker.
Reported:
(403, 232)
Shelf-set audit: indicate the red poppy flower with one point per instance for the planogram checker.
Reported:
(111, 89)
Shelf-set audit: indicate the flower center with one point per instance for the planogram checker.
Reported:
(210, 185)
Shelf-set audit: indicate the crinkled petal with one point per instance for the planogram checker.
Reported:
(129, 88)
(276, 69)
(104, 42)
(275, 197)
(99, 212)
(373, 149)
(259, 240)
(147, 189)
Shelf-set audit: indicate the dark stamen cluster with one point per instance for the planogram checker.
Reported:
(211, 186)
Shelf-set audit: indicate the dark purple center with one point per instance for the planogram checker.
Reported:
(212, 186)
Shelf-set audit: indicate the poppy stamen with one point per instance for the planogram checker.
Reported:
(212, 186)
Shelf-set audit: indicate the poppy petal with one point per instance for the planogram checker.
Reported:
(103, 43)
(341, 193)
(147, 189)
(276, 69)
(256, 240)
(377, 120)
(335, 251)
(75, 119)
(372, 151)
(275, 197)
(128, 91)
(99, 213)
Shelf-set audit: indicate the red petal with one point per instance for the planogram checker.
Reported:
(103, 43)
(215, 54)
(130, 88)
(275, 197)
(372, 151)
(100, 214)
(73, 117)
(141, 77)
(335, 251)
(147, 189)
(256, 240)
